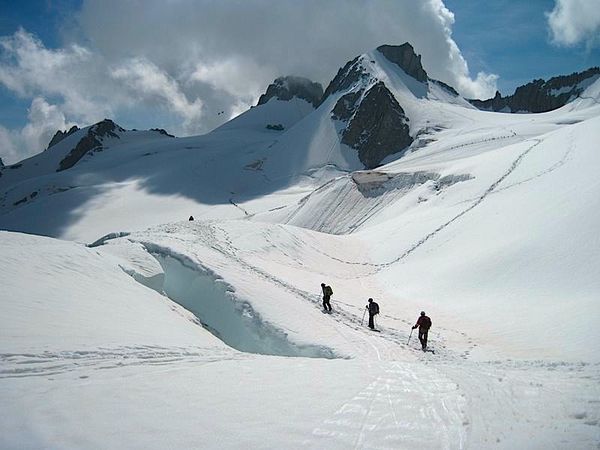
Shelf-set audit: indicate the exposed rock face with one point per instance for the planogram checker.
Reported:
(405, 57)
(286, 88)
(346, 106)
(1, 163)
(162, 131)
(376, 124)
(92, 141)
(539, 95)
(347, 76)
(60, 135)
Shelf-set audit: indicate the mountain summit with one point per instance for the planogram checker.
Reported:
(288, 87)
(377, 95)
(405, 57)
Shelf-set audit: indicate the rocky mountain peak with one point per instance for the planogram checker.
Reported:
(288, 87)
(92, 141)
(106, 128)
(60, 135)
(352, 72)
(404, 56)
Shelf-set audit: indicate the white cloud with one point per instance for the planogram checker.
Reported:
(144, 79)
(73, 74)
(148, 63)
(575, 21)
(44, 120)
(240, 47)
(8, 152)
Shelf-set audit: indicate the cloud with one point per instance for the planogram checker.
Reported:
(43, 121)
(29, 69)
(238, 47)
(178, 64)
(8, 151)
(574, 22)
(144, 79)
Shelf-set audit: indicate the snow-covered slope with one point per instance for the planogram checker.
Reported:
(88, 339)
(486, 220)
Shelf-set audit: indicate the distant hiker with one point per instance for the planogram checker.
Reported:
(373, 310)
(327, 293)
(424, 324)
(191, 218)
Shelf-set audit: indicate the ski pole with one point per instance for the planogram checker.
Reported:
(411, 330)
(363, 318)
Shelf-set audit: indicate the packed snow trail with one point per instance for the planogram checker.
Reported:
(215, 238)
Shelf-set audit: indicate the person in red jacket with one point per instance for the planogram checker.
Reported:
(424, 324)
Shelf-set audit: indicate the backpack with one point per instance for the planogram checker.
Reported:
(328, 290)
(426, 322)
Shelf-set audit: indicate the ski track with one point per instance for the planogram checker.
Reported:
(342, 316)
(377, 267)
(217, 238)
(398, 409)
(20, 365)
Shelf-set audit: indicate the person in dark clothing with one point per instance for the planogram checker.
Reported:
(373, 310)
(191, 218)
(424, 324)
(327, 293)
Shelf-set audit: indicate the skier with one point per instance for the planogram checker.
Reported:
(424, 324)
(327, 293)
(373, 310)
(191, 218)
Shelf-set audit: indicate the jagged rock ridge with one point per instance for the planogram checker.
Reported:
(347, 76)
(162, 131)
(540, 95)
(404, 56)
(286, 88)
(60, 135)
(90, 142)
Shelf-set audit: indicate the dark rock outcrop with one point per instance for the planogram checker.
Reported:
(162, 131)
(539, 95)
(275, 127)
(1, 163)
(92, 141)
(405, 57)
(346, 106)
(60, 135)
(286, 88)
(347, 76)
(376, 124)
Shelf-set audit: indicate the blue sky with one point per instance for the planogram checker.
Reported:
(42, 17)
(511, 38)
(146, 63)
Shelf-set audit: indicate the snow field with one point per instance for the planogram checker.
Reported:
(504, 258)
